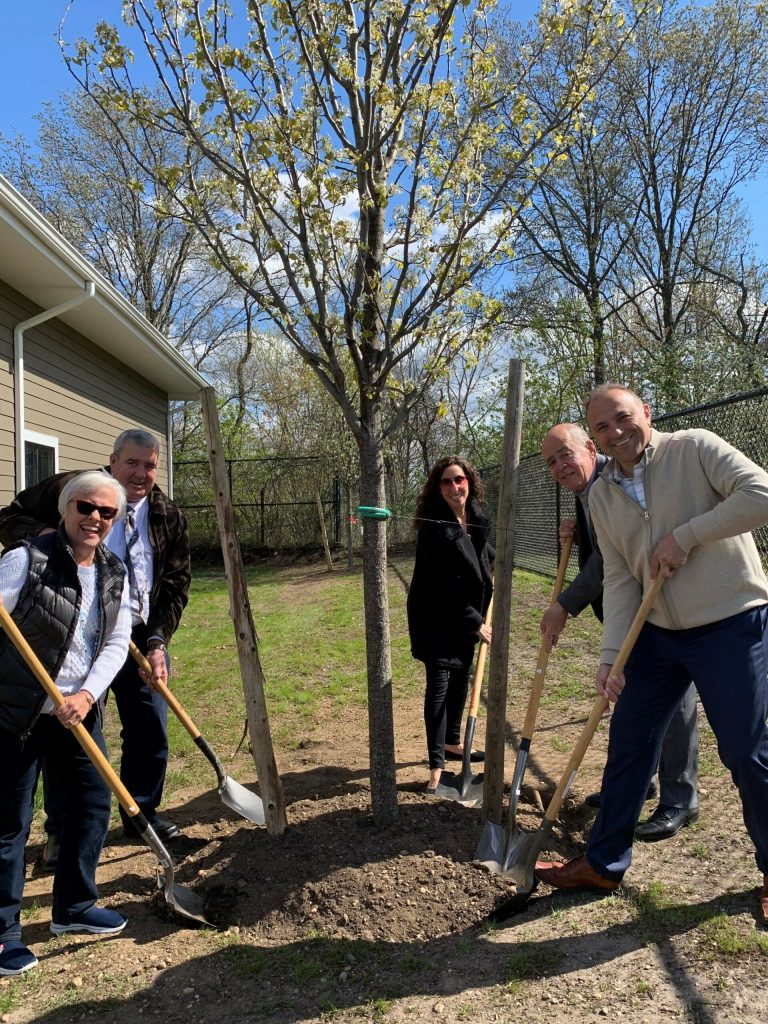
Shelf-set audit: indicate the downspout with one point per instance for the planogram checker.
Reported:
(168, 448)
(89, 290)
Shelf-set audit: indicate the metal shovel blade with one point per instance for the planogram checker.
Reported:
(241, 800)
(183, 900)
(522, 853)
(465, 787)
(490, 849)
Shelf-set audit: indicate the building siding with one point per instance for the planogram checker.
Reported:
(75, 392)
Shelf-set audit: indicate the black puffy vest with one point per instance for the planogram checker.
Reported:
(46, 613)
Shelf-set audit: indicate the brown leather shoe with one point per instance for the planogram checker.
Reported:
(763, 912)
(576, 874)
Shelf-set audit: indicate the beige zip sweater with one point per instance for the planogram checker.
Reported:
(709, 496)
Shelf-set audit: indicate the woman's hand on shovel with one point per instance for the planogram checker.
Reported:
(609, 686)
(74, 709)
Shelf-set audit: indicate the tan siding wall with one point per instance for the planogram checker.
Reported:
(75, 392)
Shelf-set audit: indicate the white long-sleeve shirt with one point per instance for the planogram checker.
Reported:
(79, 671)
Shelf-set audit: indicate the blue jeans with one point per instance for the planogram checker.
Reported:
(728, 661)
(444, 702)
(143, 718)
(85, 820)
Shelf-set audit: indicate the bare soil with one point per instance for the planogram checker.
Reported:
(341, 920)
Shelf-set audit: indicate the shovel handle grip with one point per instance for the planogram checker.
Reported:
(598, 708)
(537, 685)
(477, 681)
(81, 734)
(166, 693)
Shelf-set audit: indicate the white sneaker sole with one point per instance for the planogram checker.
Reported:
(5, 973)
(65, 929)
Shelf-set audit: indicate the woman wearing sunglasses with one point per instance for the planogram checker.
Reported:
(65, 592)
(447, 601)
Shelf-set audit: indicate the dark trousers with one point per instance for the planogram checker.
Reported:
(444, 702)
(85, 817)
(144, 739)
(728, 661)
(679, 762)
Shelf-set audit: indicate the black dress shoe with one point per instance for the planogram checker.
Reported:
(49, 858)
(593, 800)
(665, 822)
(164, 829)
(476, 756)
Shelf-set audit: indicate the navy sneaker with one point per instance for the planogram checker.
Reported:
(15, 958)
(96, 920)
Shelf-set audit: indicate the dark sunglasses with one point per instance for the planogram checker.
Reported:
(87, 508)
(448, 480)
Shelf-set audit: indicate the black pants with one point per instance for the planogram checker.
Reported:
(444, 702)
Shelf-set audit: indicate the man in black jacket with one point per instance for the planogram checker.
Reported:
(575, 464)
(159, 575)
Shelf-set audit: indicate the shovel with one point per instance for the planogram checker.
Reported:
(184, 901)
(235, 796)
(466, 787)
(519, 858)
(496, 838)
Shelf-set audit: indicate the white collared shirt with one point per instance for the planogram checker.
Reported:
(115, 541)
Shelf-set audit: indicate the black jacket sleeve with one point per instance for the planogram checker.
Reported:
(33, 509)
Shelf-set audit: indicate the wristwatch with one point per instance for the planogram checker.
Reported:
(157, 645)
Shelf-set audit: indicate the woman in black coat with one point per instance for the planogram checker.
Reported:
(447, 601)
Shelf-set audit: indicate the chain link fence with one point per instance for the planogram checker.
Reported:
(275, 499)
(742, 420)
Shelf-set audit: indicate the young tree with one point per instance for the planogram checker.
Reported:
(342, 164)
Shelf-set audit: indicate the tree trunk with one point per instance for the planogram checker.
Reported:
(381, 739)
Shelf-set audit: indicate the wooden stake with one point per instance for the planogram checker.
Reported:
(245, 631)
(324, 532)
(498, 670)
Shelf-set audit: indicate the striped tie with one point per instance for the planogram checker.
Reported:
(134, 563)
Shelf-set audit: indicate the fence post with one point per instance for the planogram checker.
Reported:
(336, 511)
(261, 517)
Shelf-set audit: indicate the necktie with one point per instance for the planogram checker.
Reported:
(134, 563)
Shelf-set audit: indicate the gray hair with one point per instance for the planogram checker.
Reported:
(141, 438)
(85, 483)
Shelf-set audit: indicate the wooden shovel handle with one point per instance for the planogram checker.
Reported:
(537, 685)
(598, 708)
(81, 734)
(477, 681)
(166, 693)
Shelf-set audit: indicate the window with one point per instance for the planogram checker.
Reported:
(41, 457)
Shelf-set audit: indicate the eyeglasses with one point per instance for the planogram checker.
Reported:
(448, 480)
(87, 508)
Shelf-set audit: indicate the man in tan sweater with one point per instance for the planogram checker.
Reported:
(683, 505)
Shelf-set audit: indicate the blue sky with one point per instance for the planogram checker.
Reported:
(32, 71)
